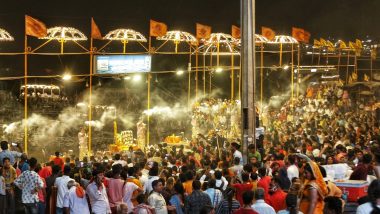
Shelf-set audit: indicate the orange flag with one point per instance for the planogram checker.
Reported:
(34, 27)
(268, 33)
(235, 32)
(95, 32)
(298, 34)
(157, 28)
(306, 36)
(203, 31)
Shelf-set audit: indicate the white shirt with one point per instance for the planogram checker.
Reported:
(263, 208)
(157, 201)
(129, 188)
(61, 184)
(121, 162)
(98, 199)
(293, 172)
(2, 185)
(365, 208)
(238, 154)
(219, 182)
(77, 205)
(148, 185)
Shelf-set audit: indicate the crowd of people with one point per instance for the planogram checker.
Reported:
(284, 171)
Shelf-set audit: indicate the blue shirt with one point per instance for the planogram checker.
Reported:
(9, 154)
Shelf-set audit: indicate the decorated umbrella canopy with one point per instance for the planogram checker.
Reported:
(125, 36)
(218, 41)
(5, 36)
(63, 34)
(177, 37)
(259, 40)
(283, 39)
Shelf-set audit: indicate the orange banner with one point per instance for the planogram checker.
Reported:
(235, 32)
(298, 34)
(157, 28)
(34, 27)
(268, 33)
(306, 36)
(203, 31)
(95, 32)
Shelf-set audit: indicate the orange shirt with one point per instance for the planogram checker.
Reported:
(277, 200)
(188, 186)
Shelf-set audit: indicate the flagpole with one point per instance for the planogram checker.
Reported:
(298, 70)
(148, 116)
(189, 76)
(261, 75)
(348, 62)
(280, 54)
(210, 74)
(204, 75)
(196, 73)
(292, 76)
(25, 92)
(232, 77)
(90, 96)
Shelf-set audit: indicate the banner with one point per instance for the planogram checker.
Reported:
(235, 32)
(306, 36)
(298, 34)
(157, 28)
(34, 27)
(95, 32)
(268, 33)
(203, 31)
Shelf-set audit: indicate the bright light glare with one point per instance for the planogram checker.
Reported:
(313, 70)
(218, 70)
(127, 77)
(136, 77)
(179, 72)
(286, 67)
(66, 77)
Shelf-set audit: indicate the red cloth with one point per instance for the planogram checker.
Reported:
(45, 172)
(277, 200)
(245, 211)
(240, 188)
(264, 183)
(59, 162)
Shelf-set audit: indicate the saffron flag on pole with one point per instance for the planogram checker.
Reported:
(323, 42)
(330, 46)
(352, 45)
(268, 33)
(203, 31)
(342, 45)
(366, 78)
(157, 28)
(34, 27)
(298, 34)
(317, 43)
(235, 32)
(358, 43)
(306, 36)
(95, 32)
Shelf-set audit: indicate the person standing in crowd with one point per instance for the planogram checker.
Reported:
(75, 201)
(229, 204)
(153, 176)
(235, 151)
(118, 160)
(247, 200)
(58, 160)
(156, 200)
(97, 194)
(292, 169)
(178, 198)
(61, 184)
(333, 205)
(130, 191)
(142, 207)
(50, 181)
(373, 205)
(3, 197)
(9, 154)
(315, 190)
(264, 182)
(41, 192)
(188, 184)
(260, 206)
(291, 205)
(83, 142)
(197, 199)
(115, 188)
(362, 169)
(242, 187)
(276, 195)
(221, 182)
(9, 174)
(215, 195)
(30, 182)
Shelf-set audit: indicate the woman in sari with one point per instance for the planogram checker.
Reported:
(314, 190)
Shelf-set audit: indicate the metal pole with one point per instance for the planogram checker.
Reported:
(189, 80)
(196, 74)
(26, 94)
(148, 119)
(248, 63)
(298, 70)
(90, 99)
(292, 76)
(232, 77)
(261, 75)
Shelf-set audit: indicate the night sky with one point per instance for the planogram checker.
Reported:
(346, 19)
